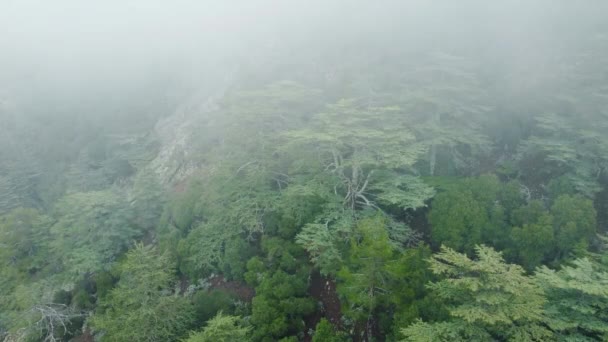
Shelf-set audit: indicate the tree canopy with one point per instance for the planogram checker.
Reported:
(304, 171)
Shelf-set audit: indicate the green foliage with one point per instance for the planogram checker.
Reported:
(577, 306)
(377, 135)
(237, 205)
(534, 242)
(574, 220)
(476, 210)
(281, 284)
(316, 157)
(236, 253)
(141, 306)
(444, 332)
(19, 308)
(325, 332)
(403, 191)
(24, 235)
(356, 141)
(528, 214)
(457, 220)
(363, 279)
(208, 303)
(548, 237)
(444, 121)
(322, 247)
(222, 328)
(183, 210)
(24, 261)
(485, 297)
(147, 200)
(251, 119)
(560, 186)
(409, 296)
(574, 148)
(92, 229)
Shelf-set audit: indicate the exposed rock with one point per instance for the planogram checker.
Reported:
(175, 132)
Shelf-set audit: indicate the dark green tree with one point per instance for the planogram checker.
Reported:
(365, 277)
(574, 222)
(534, 242)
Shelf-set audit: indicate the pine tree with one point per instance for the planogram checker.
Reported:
(222, 328)
(141, 307)
(577, 306)
(92, 229)
(488, 299)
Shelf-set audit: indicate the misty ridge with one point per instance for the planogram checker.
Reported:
(303, 170)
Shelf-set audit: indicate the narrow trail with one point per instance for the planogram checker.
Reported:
(176, 131)
(323, 290)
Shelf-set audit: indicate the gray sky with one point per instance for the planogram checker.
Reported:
(73, 44)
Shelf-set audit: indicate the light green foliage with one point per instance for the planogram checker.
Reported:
(109, 160)
(24, 256)
(312, 153)
(569, 136)
(141, 306)
(355, 141)
(181, 213)
(322, 247)
(182, 210)
(448, 106)
(364, 278)
(325, 332)
(326, 243)
(147, 199)
(577, 308)
(236, 196)
(444, 332)
(202, 250)
(236, 205)
(403, 191)
(19, 174)
(574, 147)
(484, 294)
(24, 309)
(24, 235)
(327, 225)
(222, 328)
(92, 229)
(373, 135)
(24, 169)
(250, 120)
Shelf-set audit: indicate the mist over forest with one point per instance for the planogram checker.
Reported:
(290, 171)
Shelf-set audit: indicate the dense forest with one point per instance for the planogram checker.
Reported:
(438, 174)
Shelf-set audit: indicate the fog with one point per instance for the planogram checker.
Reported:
(303, 170)
(94, 58)
(69, 45)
